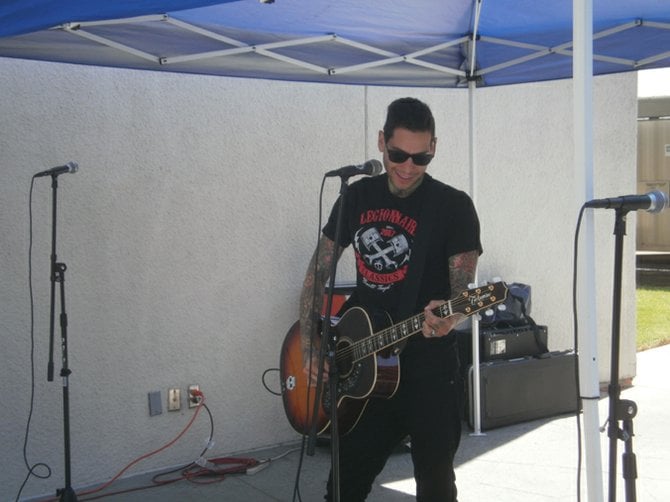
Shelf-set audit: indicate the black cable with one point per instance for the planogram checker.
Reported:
(576, 345)
(301, 458)
(266, 385)
(31, 469)
(128, 490)
(207, 446)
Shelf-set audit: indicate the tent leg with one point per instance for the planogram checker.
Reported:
(583, 142)
(476, 389)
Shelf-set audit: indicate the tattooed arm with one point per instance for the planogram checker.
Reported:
(311, 298)
(462, 269)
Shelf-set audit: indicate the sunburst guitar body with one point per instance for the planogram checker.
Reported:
(367, 350)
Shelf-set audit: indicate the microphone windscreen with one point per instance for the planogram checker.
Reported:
(375, 167)
(659, 201)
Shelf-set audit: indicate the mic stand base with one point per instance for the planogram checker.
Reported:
(67, 495)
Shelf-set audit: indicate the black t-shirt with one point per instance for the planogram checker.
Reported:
(383, 228)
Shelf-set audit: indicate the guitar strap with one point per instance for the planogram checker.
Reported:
(427, 220)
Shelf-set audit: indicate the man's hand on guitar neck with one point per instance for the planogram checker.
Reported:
(435, 326)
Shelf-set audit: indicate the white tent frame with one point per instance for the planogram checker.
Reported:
(234, 47)
(584, 173)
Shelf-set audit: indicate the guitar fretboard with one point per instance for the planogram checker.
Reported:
(467, 303)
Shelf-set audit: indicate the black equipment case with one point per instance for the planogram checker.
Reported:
(509, 343)
(518, 390)
(502, 343)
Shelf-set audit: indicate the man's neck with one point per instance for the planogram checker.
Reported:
(406, 192)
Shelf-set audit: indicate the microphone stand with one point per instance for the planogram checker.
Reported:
(328, 348)
(66, 494)
(619, 409)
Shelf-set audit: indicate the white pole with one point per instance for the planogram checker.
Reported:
(476, 392)
(586, 291)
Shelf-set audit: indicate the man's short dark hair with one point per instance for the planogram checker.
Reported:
(410, 114)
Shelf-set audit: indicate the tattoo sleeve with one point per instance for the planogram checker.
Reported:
(311, 297)
(462, 268)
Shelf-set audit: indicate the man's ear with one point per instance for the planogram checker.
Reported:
(381, 143)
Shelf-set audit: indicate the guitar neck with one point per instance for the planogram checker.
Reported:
(394, 334)
(467, 303)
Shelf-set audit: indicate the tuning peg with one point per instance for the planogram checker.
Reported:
(502, 307)
(472, 285)
(488, 312)
(496, 279)
(477, 317)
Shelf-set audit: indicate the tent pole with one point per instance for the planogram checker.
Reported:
(472, 89)
(476, 389)
(588, 334)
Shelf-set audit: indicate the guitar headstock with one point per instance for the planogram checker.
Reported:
(479, 298)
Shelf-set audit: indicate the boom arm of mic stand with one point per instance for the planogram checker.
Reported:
(329, 347)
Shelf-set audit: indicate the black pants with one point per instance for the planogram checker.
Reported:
(427, 408)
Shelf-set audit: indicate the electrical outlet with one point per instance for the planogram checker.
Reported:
(174, 400)
(193, 400)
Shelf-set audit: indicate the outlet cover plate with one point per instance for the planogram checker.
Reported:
(174, 400)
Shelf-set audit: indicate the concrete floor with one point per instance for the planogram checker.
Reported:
(528, 462)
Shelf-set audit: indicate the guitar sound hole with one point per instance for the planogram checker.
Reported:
(344, 362)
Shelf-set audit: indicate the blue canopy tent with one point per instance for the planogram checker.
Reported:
(424, 43)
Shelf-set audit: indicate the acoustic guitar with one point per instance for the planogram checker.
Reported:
(367, 350)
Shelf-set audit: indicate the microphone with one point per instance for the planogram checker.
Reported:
(371, 167)
(654, 202)
(70, 167)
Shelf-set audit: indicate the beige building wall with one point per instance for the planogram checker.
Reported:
(653, 165)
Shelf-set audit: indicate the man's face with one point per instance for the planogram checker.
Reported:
(406, 173)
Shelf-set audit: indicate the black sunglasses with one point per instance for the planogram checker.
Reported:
(399, 156)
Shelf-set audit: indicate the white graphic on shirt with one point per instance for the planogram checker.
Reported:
(382, 255)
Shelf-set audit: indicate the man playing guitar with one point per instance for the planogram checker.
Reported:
(402, 223)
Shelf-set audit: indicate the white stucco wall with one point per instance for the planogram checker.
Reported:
(188, 228)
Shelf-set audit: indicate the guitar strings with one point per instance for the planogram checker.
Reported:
(420, 318)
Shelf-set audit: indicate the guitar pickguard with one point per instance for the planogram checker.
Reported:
(344, 387)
